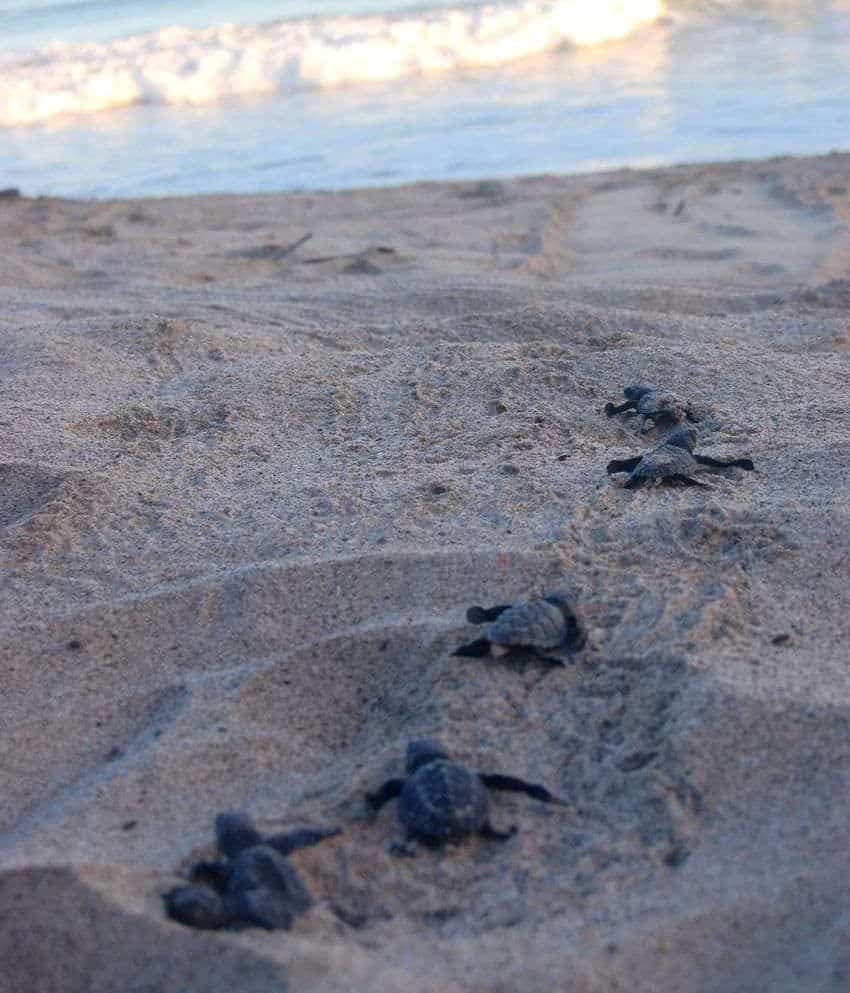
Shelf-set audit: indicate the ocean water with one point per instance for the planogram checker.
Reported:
(110, 98)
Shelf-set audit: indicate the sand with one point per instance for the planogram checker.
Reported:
(249, 489)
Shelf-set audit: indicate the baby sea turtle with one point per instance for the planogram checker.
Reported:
(672, 462)
(252, 886)
(440, 801)
(655, 404)
(547, 626)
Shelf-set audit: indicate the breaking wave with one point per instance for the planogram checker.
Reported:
(179, 65)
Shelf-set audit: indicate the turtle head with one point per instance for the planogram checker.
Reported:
(234, 832)
(576, 636)
(420, 753)
(683, 438)
(635, 392)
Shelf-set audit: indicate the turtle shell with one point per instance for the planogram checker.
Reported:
(537, 624)
(262, 868)
(662, 403)
(262, 907)
(636, 391)
(442, 801)
(666, 460)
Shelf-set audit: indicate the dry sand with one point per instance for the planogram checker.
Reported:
(247, 494)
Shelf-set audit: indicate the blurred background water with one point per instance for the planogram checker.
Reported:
(146, 97)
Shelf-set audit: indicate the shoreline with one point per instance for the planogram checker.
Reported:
(251, 481)
(687, 165)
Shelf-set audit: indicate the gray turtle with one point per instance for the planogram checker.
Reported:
(547, 626)
(673, 462)
(654, 403)
(252, 886)
(440, 801)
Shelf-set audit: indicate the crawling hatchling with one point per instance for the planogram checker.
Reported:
(672, 463)
(440, 801)
(253, 885)
(547, 626)
(652, 403)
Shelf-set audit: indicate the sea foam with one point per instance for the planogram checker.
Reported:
(179, 65)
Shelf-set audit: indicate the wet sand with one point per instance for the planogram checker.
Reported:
(251, 481)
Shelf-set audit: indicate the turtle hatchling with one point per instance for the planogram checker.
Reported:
(440, 801)
(672, 463)
(547, 626)
(653, 404)
(252, 886)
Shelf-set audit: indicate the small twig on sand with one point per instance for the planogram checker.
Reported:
(291, 248)
(270, 253)
(317, 259)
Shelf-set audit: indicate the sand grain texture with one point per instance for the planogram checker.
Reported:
(247, 491)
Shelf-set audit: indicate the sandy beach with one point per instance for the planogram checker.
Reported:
(260, 453)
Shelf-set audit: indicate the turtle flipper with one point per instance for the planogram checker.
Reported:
(491, 834)
(485, 615)
(389, 791)
(497, 781)
(725, 463)
(302, 838)
(622, 465)
(478, 649)
(611, 409)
